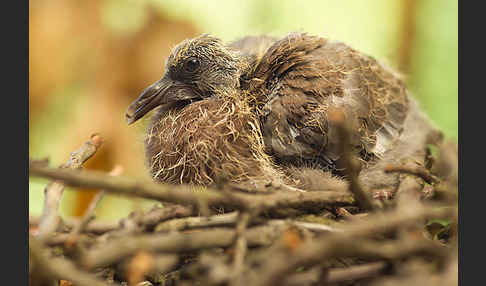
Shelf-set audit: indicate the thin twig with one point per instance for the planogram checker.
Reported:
(229, 220)
(348, 161)
(240, 247)
(176, 242)
(53, 192)
(96, 227)
(415, 170)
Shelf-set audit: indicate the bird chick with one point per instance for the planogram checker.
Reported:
(203, 129)
(258, 107)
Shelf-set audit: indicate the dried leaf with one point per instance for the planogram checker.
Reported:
(140, 264)
(292, 239)
(65, 283)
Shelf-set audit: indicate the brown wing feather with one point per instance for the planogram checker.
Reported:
(301, 76)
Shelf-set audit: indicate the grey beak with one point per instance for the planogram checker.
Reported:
(150, 98)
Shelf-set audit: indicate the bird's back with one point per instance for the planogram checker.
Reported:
(253, 48)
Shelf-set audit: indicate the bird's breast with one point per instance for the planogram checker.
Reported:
(204, 141)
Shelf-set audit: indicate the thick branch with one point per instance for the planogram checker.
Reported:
(176, 242)
(355, 272)
(188, 195)
(229, 220)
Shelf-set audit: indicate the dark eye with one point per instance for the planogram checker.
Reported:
(191, 65)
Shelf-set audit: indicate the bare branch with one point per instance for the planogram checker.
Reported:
(416, 170)
(188, 195)
(54, 190)
(176, 242)
(240, 247)
(348, 161)
(355, 272)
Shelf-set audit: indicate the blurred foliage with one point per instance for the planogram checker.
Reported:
(434, 78)
(88, 59)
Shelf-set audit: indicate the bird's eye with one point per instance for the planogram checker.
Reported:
(191, 65)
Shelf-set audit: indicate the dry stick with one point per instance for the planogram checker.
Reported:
(227, 219)
(348, 160)
(416, 170)
(355, 272)
(240, 246)
(148, 220)
(60, 268)
(127, 186)
(315, 227)
(117, 249)
(408, 193)
(53, 192)
(186, 195)
(390, 220)
(230, 219)
(96, 227)
(158, 215)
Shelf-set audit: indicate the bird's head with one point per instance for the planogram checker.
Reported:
(197, 68)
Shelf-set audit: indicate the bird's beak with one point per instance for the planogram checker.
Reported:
(151, 97)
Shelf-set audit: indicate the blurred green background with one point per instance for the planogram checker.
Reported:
(89, 59)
